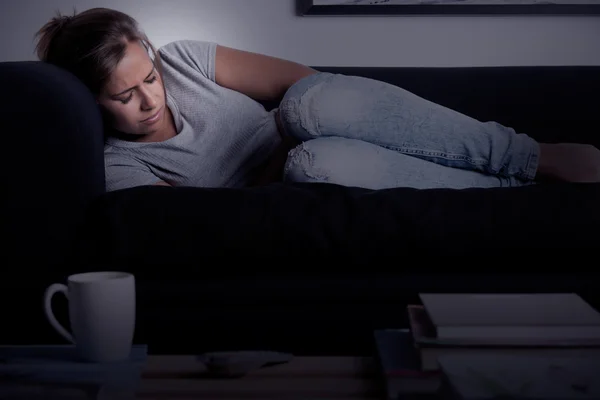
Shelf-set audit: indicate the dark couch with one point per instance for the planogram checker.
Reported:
(202, 256)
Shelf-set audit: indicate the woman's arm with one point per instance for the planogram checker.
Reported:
(256, 75)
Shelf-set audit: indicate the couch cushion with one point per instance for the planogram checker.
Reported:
(288, 225)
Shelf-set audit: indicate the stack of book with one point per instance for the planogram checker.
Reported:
(523, 377)
(446, 330)
(56, 372)
(400, 368)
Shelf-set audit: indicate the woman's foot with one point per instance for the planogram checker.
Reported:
(570, 162)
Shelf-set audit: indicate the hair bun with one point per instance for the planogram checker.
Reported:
(49, 32)
(59, 23)
(63, 20)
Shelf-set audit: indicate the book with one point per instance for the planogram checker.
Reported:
(31, 371)
(520, 316)
(485, 377)
(400, 367)
(429, 347)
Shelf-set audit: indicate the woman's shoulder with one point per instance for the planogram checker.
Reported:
(197, 54)
(187, 47)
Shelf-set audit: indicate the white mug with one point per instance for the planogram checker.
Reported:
(101, 313)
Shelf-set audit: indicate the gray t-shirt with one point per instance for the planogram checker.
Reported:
(223, 135)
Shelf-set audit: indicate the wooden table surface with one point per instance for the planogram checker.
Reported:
(183, 378)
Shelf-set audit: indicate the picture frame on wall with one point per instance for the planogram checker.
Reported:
(399, 7)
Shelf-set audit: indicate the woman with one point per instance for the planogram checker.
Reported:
(188, 115)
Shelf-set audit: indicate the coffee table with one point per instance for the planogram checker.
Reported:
(183, 378)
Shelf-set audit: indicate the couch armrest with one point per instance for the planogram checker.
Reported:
(52, 161)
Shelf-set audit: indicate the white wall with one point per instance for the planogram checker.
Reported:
(271, 27)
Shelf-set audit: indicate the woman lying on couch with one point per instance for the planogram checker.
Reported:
(189, 115)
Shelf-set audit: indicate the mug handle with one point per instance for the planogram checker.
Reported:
(50, 292)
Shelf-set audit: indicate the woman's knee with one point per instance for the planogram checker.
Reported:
(328, 104)
(296, 112)
(334, 160)
(302, 164)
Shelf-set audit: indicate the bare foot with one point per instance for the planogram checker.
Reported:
(570, 162)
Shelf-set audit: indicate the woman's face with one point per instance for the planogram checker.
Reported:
(134, 97)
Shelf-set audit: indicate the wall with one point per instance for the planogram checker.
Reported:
(271, 27)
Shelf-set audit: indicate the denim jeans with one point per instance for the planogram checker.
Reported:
(356, 131)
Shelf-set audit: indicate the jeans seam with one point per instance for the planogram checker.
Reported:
(446, 156)
(531, 166)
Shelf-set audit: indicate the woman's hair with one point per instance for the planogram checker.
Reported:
(90, 44)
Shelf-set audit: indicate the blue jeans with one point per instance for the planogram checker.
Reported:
(357, 131)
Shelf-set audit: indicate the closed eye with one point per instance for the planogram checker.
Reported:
(128, 99)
